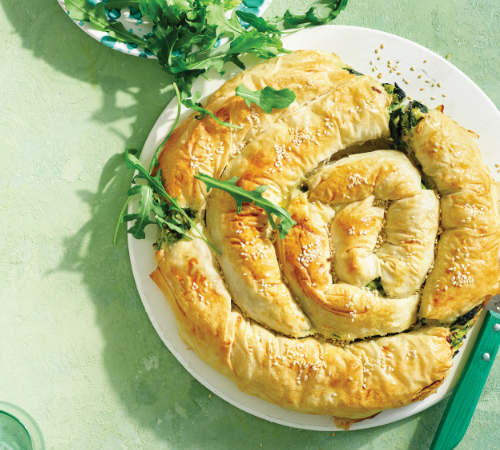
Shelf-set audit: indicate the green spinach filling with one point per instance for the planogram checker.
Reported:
(397, 94)
(376, 285)
(173, 226)
(353, 72)
(461, 327)
(402, 121)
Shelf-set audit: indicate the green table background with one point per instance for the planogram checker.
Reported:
(77, 350)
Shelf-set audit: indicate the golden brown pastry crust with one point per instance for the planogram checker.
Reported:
(280, 157)
(206, 146)
(466, 269)
(241, 313)
(338, 311)
(305, 375)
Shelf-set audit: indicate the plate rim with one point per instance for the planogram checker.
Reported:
(414, 408)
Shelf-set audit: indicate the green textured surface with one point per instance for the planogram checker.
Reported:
(77, 350)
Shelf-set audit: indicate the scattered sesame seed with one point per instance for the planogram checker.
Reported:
(444, 95)
(448, 55)
(420, 76)
(379, 58)
(427, 81)
(426, 60)
(412, 69)
(382, 46)
(496, 165)
(376, 50)
(333, 434)
(209, 395)
(439, 84)
(433, 98)
(398, 61)
(373, 69)
(379, 75)
(422, 89)
(371, 63)
(433, 84)
(399, 73)
(406, 81)
(410, 98)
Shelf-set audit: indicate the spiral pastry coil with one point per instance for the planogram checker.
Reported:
(350, 314)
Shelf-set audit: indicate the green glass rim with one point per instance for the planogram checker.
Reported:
(26, 421)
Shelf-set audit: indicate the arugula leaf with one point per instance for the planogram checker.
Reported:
(117, 31)
(193, 104)
(155, 183)
(78, 9)
(146, 204)
(311, 17)
(230, 4)
(261, 45)
(83, 10)
(172, 8)
(162, 43)
(268, 98)
(241, 196)
(257, 22)
(215, 15)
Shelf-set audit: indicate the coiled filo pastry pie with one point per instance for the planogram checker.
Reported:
(292, 321)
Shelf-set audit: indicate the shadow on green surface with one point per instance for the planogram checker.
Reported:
(155, 392)
(49, 35)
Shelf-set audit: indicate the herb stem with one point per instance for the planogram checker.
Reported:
(154, 161)
(122, 213)
(177, 207)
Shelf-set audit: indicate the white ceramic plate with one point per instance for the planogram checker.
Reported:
(134, 22)
(464, 102)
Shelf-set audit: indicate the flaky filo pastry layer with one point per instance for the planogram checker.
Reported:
(261, 313)
(466, 270)
(306, 375)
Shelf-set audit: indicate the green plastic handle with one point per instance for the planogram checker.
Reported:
(463, 400)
